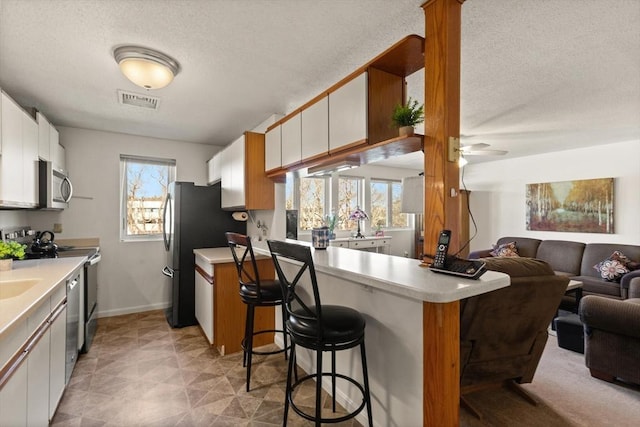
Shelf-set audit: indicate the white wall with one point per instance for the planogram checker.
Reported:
(130, 278)
(498, 191)
(15, 218)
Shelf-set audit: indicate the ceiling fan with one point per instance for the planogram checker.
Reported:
(480, 149)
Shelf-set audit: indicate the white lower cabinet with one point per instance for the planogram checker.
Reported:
(57, 355)
(204, 298)
(13, 393)
(30, 393)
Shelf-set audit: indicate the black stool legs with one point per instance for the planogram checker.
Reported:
(317, 418)
(247, 342)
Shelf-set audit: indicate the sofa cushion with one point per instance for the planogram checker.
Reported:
(614, 267)
(563, 256)
(526, 246)
(596, 285)
(595, 253)
(505, 250)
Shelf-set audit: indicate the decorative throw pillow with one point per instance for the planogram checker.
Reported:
(505, 250)
(613, 268)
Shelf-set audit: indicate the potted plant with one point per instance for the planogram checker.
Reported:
(406, 116)
(331, 221)
(8, 252)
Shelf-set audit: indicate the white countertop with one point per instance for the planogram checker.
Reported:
(359, 239)
(222, 255)
(399, 275)
(49, 273)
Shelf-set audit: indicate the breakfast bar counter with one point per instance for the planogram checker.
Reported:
(412, 332)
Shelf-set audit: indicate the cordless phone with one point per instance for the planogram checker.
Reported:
(442, 249)
(469, 269)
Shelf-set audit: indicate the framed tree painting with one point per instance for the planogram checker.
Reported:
(584, 206)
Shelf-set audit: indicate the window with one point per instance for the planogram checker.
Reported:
(143, 188)
(386, 200)
(349, 197)
(313, 202)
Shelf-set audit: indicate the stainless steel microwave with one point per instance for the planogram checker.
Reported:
(55, 189)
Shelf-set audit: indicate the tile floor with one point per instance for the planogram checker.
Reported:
(141, 372)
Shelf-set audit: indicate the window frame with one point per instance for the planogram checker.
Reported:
(125, 159)
(389, 209)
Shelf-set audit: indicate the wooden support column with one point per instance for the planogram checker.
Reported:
(441, 321)
(442, 121)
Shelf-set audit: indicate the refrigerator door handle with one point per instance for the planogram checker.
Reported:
(166, 222)
(167, 271)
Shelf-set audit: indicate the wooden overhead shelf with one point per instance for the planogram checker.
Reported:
(360, 125)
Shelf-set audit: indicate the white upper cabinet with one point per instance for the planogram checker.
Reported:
(315, 129)
(291, 141)
(44, 152)
(30, 160)
(18, 167)
(348, 113)
(273, 149)
(214, 174)
(233, 174)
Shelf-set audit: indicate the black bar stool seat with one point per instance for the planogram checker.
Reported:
(323, 328)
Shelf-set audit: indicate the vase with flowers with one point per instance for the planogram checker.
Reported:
(8, 252)
(330, 221)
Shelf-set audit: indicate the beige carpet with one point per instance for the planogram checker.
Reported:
(567, 395)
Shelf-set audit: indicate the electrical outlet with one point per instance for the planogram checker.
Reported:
(57, 227)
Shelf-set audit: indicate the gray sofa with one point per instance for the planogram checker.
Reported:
(576, 260)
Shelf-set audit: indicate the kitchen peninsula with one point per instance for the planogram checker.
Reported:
(403, 303)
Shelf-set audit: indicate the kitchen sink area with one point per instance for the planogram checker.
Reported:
(13, 288)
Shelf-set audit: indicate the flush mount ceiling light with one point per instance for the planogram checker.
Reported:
(145, 67)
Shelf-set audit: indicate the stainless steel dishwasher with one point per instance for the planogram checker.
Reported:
(73, 317)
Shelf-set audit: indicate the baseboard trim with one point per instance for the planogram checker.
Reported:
(131, 310)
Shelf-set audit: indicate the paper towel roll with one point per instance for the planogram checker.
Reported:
(240, 216)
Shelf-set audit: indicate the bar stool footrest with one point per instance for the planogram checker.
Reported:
(328, 420)
(243, 343)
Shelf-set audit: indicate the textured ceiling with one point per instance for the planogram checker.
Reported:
(543, 76)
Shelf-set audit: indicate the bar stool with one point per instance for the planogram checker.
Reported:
(254, 293)
(323, 328)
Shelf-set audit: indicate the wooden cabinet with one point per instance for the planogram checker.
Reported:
(219, 309)
(273, 149)
(359, 109)
(315, 129)
(348, 114)
(244, 182)
(291, 141)
(18, 168)
(229, 311)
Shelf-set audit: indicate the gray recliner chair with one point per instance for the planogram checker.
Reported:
(612, 335)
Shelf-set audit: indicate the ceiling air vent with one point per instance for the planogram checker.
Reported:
(138, 100)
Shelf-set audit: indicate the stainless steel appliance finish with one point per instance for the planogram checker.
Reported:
(73, 311)
(89, 305)
(55, 189)
(193, 219)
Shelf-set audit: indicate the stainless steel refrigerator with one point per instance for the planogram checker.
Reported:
(192, 219)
